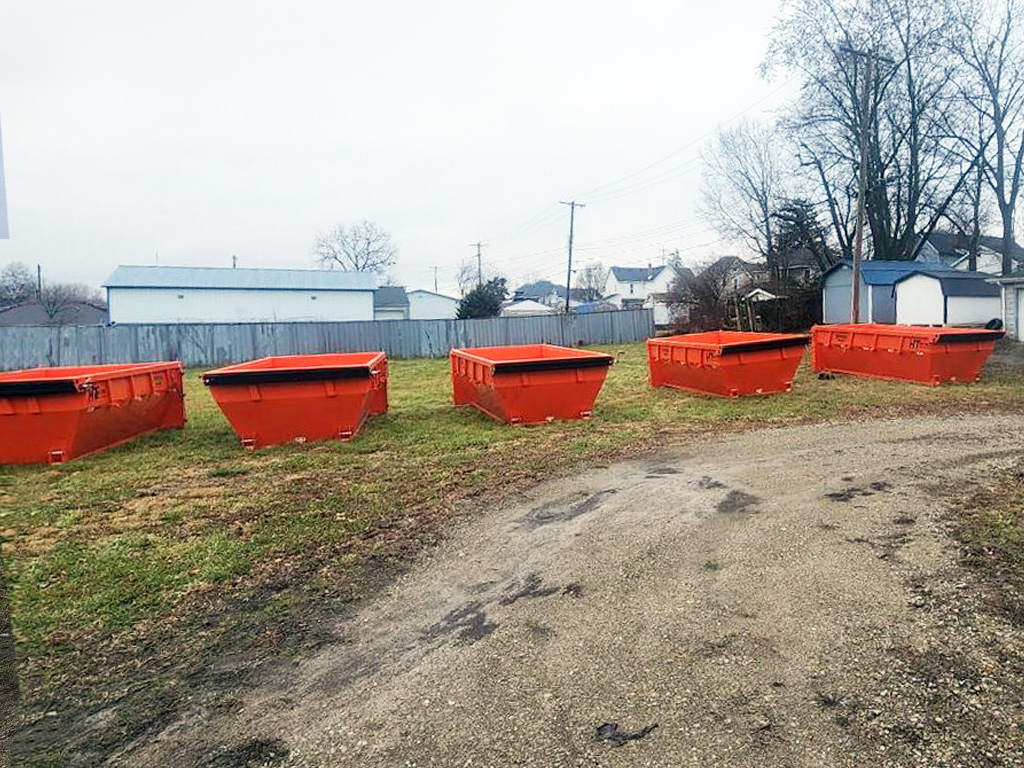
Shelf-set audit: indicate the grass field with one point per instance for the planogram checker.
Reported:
(116, 561)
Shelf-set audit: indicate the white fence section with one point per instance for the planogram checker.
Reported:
(203, 345)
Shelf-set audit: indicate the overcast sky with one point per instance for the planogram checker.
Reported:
(182, 133)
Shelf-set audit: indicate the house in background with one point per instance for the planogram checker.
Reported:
(951, 250)
(629, 287)
(541, 291)
(877, 293)
(71, 313)
(212, 295)
(425, 305)
(390, 302)
(946, 297)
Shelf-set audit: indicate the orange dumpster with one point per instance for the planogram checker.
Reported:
(57, 414)
(725, 363)
(921, 354)
(301, 397)
(529, 384)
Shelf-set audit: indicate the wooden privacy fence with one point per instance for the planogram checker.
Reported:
(203, 345)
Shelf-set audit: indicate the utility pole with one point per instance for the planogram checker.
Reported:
(39, 281)
(862, 187)
(573, 205)
(234, 261)
(435, 279)
(479, 267)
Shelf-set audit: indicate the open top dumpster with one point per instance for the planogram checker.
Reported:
(529, 384)
(922, 354)
(57, 414)
(726, 363)
(301, 397)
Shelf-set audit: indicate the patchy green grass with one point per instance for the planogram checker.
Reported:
(121, 549)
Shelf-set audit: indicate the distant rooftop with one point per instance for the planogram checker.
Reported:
(390, 297)
(252, 279)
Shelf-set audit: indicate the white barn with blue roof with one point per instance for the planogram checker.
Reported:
(139, 294)
(947, 297)
(877, 290)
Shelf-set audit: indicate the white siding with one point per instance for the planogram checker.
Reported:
(972, 310)
(919, 301)
(389, 314)
(208, 305)
(424, 305)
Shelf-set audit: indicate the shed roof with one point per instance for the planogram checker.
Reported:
(251, 279)
(390, 297)
(958, 283)
(880, 272)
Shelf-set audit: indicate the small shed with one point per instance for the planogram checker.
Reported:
(877, 296)
(946, 297)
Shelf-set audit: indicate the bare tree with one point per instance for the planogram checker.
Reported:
(590, 281)
(891, 52)
(58, 300)
(742, 186)
(989, 38)
(16, 284)
(362, 247)
(704, 294)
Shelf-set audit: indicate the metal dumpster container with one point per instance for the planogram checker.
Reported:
(529, 384)
(57, 414)
(301, 397)
(921, 354)
(726, 363)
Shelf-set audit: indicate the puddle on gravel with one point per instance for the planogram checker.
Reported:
(469, 621)
(738, 501)
(563, 511)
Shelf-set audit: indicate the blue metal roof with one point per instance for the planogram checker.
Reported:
(886, 272)
(252, 279)
(959, 283)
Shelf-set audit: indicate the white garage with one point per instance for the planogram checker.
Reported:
(953, 298)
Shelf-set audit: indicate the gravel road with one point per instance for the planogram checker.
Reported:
(782, 597)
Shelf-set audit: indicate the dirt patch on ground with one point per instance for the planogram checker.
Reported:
(789, 597)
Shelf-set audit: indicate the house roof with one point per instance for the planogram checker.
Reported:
(73, 313)
(539, 290)
(957, 282)
(390, 297)
(252, 279)
(636, 274)
(950, 245)
(878, 272)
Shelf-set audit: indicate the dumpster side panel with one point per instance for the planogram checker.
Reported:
(726, 364)
(905, 353)
(542, 382)
(300, 398)
(109, 406)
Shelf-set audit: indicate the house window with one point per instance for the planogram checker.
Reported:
(313, 298)
(181, 295)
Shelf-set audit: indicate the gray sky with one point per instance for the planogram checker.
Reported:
(182, 133)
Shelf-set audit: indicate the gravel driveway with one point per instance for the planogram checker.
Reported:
(777, 598)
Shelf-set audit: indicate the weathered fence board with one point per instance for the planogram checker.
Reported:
(221, 344)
